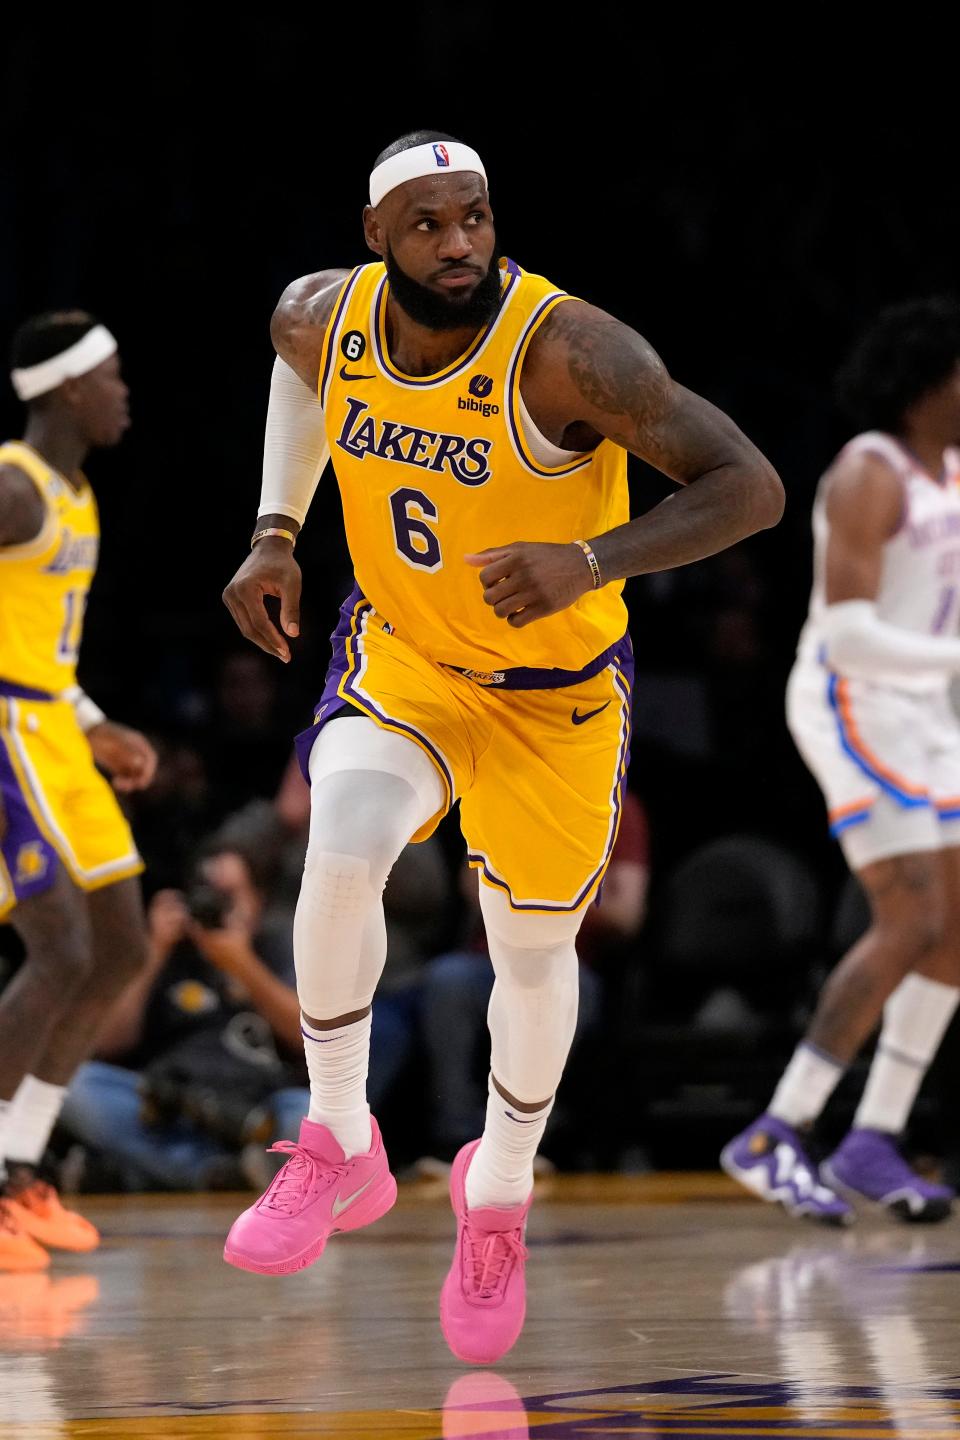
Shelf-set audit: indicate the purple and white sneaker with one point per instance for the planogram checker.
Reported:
(769, 1159)
(868, 1166)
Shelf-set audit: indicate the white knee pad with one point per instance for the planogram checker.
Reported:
(370, 791)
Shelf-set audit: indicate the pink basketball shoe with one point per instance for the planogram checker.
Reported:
(483, 1302)
(317, 1193)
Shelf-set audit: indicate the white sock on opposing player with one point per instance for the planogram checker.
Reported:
(338, 1061)
(807, 1084)
(914, 1021)
(30, 1119)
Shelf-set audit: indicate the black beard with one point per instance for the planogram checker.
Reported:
(440, 312)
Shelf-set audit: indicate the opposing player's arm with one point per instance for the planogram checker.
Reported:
(22, 509)
(864, 502)
(587, 376)
(864, 505)
(294, 453)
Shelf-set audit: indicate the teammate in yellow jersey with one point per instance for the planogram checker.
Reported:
(479, 420)
(68, 863)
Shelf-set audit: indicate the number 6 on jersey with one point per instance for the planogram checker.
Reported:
(416, 543)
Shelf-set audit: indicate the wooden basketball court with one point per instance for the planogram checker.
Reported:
(658, 1306)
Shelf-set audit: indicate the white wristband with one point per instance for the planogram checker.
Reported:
(859, 643)
(295, 447)
(87, 711)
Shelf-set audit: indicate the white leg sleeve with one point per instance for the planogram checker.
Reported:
(532, 1018)
(370, 791)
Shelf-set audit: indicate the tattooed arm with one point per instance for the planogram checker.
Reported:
(294, 431)
(300, 321)
(588, 378)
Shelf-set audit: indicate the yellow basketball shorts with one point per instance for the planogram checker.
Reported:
(55, 806)
(537, 758)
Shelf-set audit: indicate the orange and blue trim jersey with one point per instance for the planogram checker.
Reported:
(44, 583)
(432, 468)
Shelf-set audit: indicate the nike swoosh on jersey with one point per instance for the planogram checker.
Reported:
(339, 1205)
(346, 374)
(578, 719)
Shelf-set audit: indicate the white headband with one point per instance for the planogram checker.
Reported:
(91, 350)
(435, 159)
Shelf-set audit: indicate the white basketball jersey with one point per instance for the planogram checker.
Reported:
(920, 579)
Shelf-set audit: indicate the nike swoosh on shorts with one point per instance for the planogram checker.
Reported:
(578, 719)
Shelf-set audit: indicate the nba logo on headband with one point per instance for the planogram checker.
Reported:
(421, 161)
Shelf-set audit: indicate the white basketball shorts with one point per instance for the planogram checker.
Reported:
(887, 761)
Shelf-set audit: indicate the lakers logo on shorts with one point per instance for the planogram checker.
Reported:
(485, 677)
(31, 863)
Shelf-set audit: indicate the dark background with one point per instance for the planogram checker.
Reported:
(747, 193)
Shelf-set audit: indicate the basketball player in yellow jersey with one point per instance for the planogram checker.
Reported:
(68, 864)
(479, 420)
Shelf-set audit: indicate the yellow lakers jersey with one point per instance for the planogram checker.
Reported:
(44, 583)
(434, 467)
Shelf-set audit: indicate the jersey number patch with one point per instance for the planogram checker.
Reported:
(416, 542)
(68, 646)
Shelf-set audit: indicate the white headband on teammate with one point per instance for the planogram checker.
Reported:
(89, 351)
(421, 160)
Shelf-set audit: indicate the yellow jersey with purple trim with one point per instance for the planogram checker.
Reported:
(434, 467)
(44, 582)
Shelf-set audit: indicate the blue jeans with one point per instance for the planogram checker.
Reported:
(456, 994)
(102, 1110)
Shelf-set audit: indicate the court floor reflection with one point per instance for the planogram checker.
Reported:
(712, 1317)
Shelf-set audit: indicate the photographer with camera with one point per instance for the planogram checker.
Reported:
(198, 1064)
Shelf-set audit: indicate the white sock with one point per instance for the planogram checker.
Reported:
(30, 1119)
(501, 1171)
(338, 1061)
(807, 1084)
(914, 1020)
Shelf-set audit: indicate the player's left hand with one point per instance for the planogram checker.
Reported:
(529, 580)
(126, 755)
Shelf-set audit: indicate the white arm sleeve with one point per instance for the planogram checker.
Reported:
(295, 448)
(860, 643)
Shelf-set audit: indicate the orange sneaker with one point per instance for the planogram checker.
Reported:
(17, 1250)
(38, 1211)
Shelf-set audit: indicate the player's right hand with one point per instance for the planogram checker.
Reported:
(269, 569)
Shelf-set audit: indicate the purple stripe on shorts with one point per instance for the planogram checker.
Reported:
(29, 857)
(9, 691)
(330, 701)
(349, 630)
